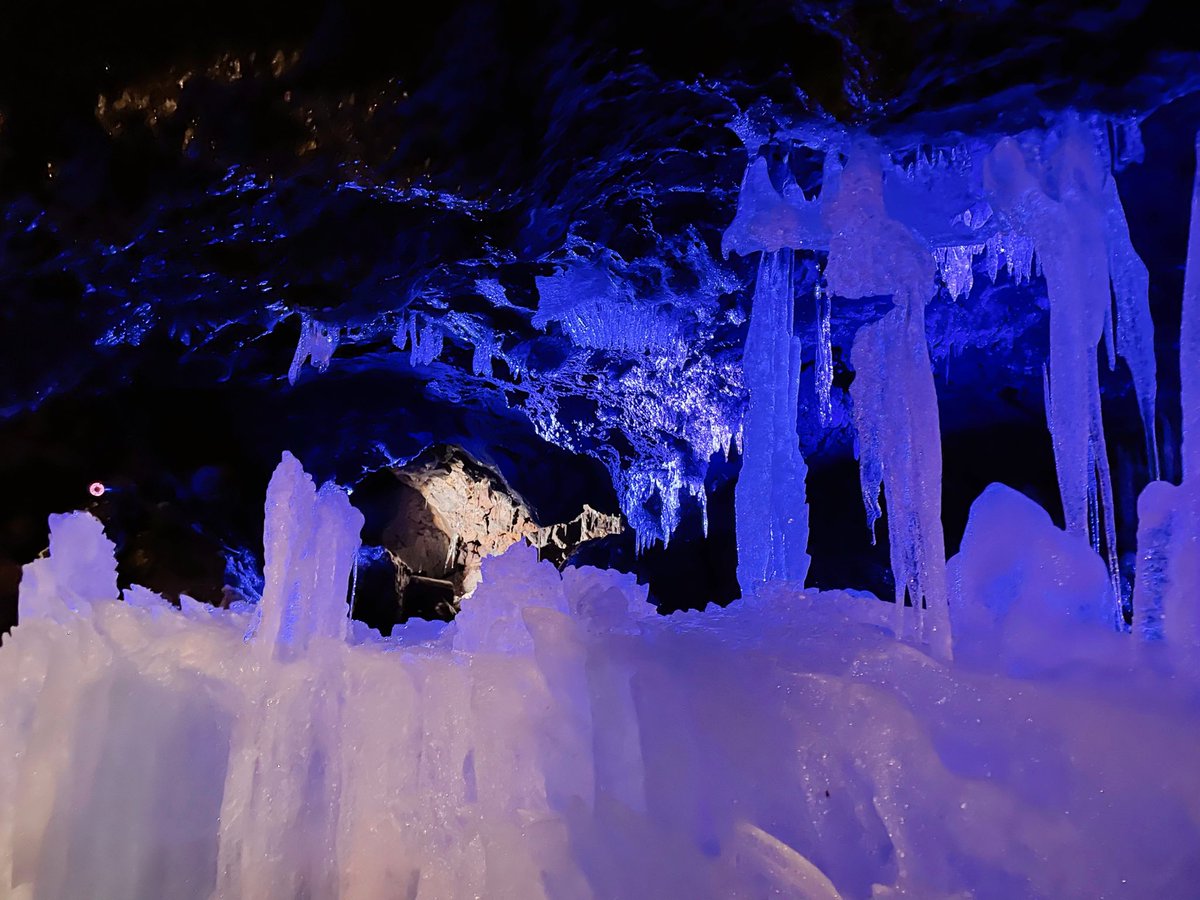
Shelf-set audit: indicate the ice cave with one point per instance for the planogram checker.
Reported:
(626, 450)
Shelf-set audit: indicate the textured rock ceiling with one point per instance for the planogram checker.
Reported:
(510, 228)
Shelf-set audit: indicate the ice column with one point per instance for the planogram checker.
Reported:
(824, 354)
(316, 345)
(895, 402)
(1166, 599)
(1073, 237)
(770, 503)
(1189, 345)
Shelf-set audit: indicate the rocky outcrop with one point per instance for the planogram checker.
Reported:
(436, 519)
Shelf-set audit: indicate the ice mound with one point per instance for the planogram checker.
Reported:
(1015, 564)
(560, 740)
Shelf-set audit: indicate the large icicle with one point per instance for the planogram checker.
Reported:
(895, 402)
(770, 505)
(1072, 237)
(896, 416)
(1166, 598)
(1134, 327)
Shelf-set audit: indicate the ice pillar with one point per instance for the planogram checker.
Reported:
(770, 505)
(1074, 239)
(1166, 599)
(895, 402)
(1189, 344)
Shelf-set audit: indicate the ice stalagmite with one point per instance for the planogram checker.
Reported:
(770, 505)
(1072, 236)
(1166, 600)
(310, 541)
(895, 403)
(68, 581)
(288, 782)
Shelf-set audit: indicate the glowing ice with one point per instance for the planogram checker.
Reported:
(1166, 600)
(1016, 568)
(770, 505)
(824, 366)
(559, 739)
(316, 345)
(79, 570)
(310, 542)
(895, 403)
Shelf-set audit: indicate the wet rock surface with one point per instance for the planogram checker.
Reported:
(431, 523)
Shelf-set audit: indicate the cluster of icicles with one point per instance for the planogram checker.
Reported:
(1044, 199)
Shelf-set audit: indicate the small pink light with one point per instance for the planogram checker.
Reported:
(96, 489)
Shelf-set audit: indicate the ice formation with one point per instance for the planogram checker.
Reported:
(824, 368)
(1071, 237)
(1168, 575)
(895, 403)
(772, 513)
(1044, 202)
(315, 346)
(560, 740)
(869, 253)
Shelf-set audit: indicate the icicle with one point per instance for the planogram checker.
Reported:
(1109, 340)
(427, 344)
(896, 417)
(1189, 347)
(824, 352)
(400, 337)
(956, 267)
(992, 260)
(1100, 501)
(770, 505)
(1069, 234)
(317, 343)
(1134, 327)
(895, 402)
(481, 356)
(1014, 252)
(1127, 143)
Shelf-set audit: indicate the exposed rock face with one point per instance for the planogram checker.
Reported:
(436, 520)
